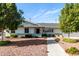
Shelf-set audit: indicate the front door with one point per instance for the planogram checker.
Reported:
(37, 30)
(26, 30)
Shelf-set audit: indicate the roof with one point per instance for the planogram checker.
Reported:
(30, 24)
(52, 25)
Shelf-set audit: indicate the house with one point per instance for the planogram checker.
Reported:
(36, 29)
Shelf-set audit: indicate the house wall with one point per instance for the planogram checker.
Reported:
(41, 30)
(57, 30)
(20, 30)
(32, 30)
(74, 34)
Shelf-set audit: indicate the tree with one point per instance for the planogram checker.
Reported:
(69, 18)
(10, 16)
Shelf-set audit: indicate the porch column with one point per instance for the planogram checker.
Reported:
(41, 30)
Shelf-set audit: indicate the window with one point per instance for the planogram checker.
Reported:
(12, 31)
(37, 31)
(52, 30)
(26, 30)
(48, 30)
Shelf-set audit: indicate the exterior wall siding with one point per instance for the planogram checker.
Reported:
(74, 34)
(57, 31)
(20, 31)
(32, 30)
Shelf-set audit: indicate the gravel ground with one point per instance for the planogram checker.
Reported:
(65, 45)
(25, 47)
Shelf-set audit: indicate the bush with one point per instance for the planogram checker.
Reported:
(44, 35)
(72, 50)
(14, 35)
(69, 40)
(57, 39)
(28, 36)
(35, 36)
(7, 36)
(2, 43)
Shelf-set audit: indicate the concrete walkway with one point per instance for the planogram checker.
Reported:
(54, 49)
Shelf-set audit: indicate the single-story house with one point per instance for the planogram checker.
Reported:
(38, 29)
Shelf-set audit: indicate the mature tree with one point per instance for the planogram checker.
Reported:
(10, 16)
(69, 18)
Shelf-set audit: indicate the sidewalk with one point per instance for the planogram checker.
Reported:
(55, 49)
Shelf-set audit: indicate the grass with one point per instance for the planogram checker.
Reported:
(3, 43)
(69, 40)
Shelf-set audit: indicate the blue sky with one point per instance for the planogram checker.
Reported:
(41, 12)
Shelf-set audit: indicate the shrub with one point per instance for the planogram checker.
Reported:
(2, 43)
(69, 40)
(14, 35)
(44, 35)
(7, 36)
(53, 35)
(57, 39)
(34, 36)
(28, 36)
(72, 50)
(22, 37)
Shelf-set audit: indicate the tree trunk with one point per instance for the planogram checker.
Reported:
(2, 35)
(68, 35)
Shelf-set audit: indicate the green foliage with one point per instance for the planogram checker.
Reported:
(69, 40)
(34, 36)
(69, 18)
(2, 43)
(28, 36)
(10, 16)
(14, 36)
(44, 35)
(72, 50)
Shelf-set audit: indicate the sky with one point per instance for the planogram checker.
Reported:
(41, 12)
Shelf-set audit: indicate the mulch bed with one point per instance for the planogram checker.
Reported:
(25, 47)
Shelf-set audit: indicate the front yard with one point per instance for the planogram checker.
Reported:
(66, 45)
(25, 47)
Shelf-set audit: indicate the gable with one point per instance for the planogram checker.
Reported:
(29, 24)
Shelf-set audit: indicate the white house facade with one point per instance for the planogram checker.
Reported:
(29, 28)
(38, 29)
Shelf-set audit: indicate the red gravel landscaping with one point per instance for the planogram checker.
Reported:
(25, 47)
(66, 45)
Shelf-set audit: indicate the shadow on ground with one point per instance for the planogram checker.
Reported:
(31, 42)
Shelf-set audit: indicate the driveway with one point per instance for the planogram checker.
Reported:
(55, 49)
